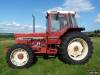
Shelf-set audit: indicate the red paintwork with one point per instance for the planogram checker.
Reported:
(41, 41)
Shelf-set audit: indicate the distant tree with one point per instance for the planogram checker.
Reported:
(97, 31)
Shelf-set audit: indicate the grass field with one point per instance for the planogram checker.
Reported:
(50, 66)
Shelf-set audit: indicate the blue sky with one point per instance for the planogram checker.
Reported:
(16, 15)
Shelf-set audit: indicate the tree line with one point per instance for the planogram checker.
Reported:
(95, 33)
(6, 35)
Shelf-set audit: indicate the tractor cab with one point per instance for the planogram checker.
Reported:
(58, 23)
(59, 20)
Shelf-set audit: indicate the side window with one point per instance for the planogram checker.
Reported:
(58, 24)
(55, 25)
(63, 21)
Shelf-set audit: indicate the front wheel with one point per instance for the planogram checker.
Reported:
(76, 48)
(20, 56)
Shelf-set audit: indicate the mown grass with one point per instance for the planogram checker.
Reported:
(50, 66)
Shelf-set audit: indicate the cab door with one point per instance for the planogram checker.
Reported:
(57, 27)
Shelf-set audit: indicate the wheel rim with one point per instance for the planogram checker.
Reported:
(19, 57)
(77, 49)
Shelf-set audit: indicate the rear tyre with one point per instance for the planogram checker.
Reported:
(20, 56)
(75, 48)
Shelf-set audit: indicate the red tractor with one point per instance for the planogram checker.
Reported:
(63, 39)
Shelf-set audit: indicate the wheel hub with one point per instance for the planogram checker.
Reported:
(20, 56)
(76, 48)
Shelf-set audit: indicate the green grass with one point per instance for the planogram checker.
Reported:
(50, 66)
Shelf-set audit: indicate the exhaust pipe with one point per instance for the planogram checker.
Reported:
(33, 23)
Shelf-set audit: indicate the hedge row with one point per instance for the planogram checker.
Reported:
(6, 35)
(92, 34)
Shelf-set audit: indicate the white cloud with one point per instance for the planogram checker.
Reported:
(14, 27)
(75, 5)
(55, 9)
(98, 18)
(78, 5)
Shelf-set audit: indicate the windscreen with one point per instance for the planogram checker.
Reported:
(57, 24)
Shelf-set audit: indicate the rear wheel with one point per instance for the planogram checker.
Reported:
(76, 48)
(20, 56)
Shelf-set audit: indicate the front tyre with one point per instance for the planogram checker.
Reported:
(20, 56)
(76, 48)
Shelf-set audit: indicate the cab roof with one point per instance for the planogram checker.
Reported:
(62, 12)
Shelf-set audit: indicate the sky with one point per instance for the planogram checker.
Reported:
(16, 15)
